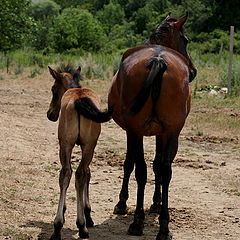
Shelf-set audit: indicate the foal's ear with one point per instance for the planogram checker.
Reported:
(180, 22)
(55, 74)
(79, 69)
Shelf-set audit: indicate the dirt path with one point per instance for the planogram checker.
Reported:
(204, 193)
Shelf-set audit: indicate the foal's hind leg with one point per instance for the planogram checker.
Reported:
(157, 198)
(64, 179)
(121, 207)
(81, 184)
(87, 210)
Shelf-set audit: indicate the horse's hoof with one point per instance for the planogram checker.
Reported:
(120, 208)
(162, 236)
(136, 228)
(83, 233)
(89, 222)
(155, 208)
(56, 236)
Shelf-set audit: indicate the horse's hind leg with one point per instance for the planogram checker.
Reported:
(170, 150)
(157, 198)
(64, 179)
(136, 143)
(121, 207)
(81, 184)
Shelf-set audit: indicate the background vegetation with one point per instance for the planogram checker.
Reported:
(40, 32)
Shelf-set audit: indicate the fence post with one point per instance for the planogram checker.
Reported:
(220, 54)
(230, 59)
(200, 58)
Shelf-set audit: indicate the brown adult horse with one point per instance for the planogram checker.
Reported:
(79, 123)
(150, 97)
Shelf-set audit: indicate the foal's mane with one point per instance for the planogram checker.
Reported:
(77, 77)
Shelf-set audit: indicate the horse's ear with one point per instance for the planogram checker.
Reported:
(168, 16)
(79, 69)
(180, 22)
(55, 74)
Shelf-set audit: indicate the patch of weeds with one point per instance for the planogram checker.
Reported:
(18, 69)
(12, 170)
(73, 199)
(34, 72)
(199, 133)
(9, 232)
(1, 77)
(231, 192)
(74, 167)
(50, 168)
(53, 202)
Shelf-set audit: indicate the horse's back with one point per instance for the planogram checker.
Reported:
(172, 105)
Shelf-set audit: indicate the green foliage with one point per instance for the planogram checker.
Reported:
(44, 10)
(77, 28)
(15, 24)
(111, 15)
(34, 72)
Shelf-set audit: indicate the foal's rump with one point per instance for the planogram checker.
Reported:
(80, 116)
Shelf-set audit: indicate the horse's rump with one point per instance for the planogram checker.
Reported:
(153, 90)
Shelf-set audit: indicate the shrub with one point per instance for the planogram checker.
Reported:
(77, 28)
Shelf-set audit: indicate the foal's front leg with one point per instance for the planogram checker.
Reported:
(64, 179)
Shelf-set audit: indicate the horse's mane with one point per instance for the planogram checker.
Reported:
(77, 77)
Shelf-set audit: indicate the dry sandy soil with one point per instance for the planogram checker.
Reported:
(204, 198)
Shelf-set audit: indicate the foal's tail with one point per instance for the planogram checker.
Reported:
(152, 83)
(88, 109)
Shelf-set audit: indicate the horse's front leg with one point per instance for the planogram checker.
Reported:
(121, 207)
(135, 143)
(64, 179)
(170, 150)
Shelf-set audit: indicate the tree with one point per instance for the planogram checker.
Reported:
(111, 15)
(15, 24)
(77, 28)
(44, 10)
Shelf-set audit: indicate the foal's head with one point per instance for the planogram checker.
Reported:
(170, 34)
(64, 79)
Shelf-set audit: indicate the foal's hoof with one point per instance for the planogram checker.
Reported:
(162, 236)
(83, 233)
(120, 208)
(56, 236)
(155, 208)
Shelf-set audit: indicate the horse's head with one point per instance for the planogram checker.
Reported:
(64, 79)
(170, 34)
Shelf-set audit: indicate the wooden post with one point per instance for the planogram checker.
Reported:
(200, 58)
(220, 54)
(230, 59)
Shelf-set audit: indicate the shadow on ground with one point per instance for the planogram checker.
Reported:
(114, 228)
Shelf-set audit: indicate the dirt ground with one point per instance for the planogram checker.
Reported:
(204, 197)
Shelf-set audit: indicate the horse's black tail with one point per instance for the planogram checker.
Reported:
(88, 109)
(153, 82)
